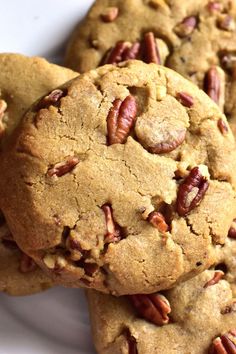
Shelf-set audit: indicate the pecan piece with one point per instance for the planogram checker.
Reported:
(113, 229)
(62, 168)
(157, 219)
(226, 344)
(226, 23)
(121, 119)
(185, 99)
(222, 126)
(116, 54)
(186, 27)
(154, 308)
(191, 191)
(132, 343)
(131, 52)
(54, 262)
(53, 98)
(228, 60)
(150, 50)
(110, 14)
(232, 230)
(229, 308)
(216, 278)
(214, 6)
(27, 264)
(214, 85)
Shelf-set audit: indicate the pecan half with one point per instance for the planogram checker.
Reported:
(121, 119)
(110, 14)
(191, 191)
(232, 230)
(185, 99)
(226, 344)
(113, 229)
(150, 50)
(186, 27)
(154, 308)
(27, 264)
(62, 168)
(222, 126)
(52, 99)
(157, 219)
(172, 140)
(216, 278)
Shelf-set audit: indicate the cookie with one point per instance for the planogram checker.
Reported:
(22, 81)
(196, 317)
(126, 180)
(195, 38)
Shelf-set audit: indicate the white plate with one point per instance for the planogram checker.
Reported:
(54, 322)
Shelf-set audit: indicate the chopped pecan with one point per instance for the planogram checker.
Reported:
(115, 56)
(110, 14)
(113, 229)
(226, 22)
(157, 219)
(222, 126)
(54, 262)
(191, 191)
(232, 230)
(121, 119)
(228, 60)
(52, 99)
(229, 308)
(216, 278)
(185, 99)
(214, 6)
(27, 264)
(62, 168)
(150, 50)
(186, 27)
(155, 308)
(89, 268)
(132, 343)
(131, 52)
(226, 344)
(213, 84)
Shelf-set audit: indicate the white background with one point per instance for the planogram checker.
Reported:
(54, 322)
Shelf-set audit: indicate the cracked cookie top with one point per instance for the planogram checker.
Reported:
(195, 38)
(124, 186)
(22, 81)
(197, 316)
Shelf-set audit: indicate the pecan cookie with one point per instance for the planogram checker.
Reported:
(196, 317)
(125, 180)
(22, 81)
(195, 38)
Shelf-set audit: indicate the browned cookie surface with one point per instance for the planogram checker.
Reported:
(122, 175)
(22, 81)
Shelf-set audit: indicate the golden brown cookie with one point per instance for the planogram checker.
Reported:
(122, 175)
(22, 81)
(195, 38)
(196, 317)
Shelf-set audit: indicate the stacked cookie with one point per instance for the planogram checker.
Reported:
(122, 180)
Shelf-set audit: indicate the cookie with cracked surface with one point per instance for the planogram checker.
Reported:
(196, 317)
(123, 175)
(22, 81)
(169, 32)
